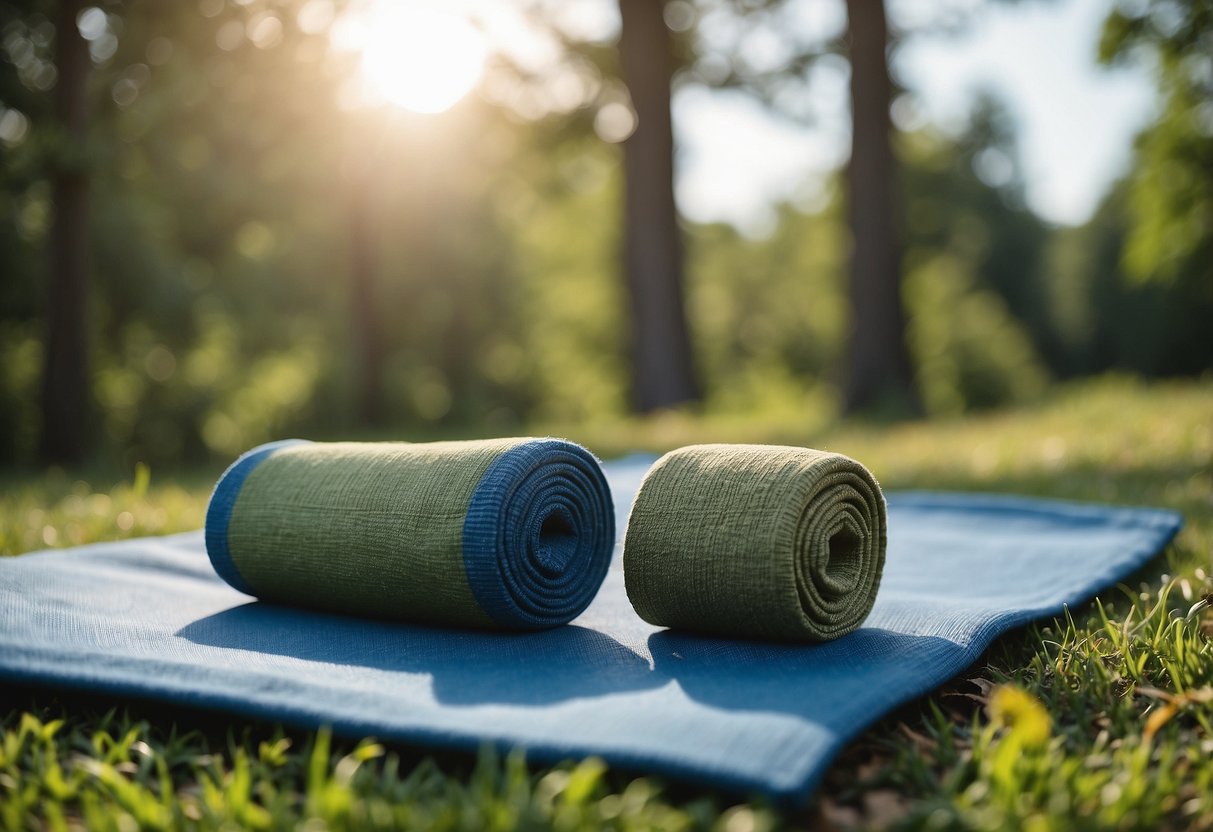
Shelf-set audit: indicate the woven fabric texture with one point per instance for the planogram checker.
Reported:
(150, 618)
(513, 533)
(763, 541)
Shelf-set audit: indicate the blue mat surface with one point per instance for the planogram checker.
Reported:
(149, 617)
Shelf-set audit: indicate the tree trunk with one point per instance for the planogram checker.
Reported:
(364, 317)
(880, 370)
(65, 397)
(663, 374)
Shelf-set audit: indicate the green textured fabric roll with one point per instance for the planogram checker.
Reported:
(756, 541)
(503, 533)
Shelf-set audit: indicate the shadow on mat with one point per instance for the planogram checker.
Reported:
(550, 666)
(827, 683)
(468, 667)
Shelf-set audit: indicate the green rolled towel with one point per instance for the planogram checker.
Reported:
(504, 533)
(756, 540)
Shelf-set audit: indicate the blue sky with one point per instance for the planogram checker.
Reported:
(1076, 119)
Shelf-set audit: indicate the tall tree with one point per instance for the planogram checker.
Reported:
(663, 373)
(879, 370)
(65, 398)
(879, 360)
(367, 341)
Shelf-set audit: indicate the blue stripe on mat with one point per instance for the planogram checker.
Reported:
(223, 501)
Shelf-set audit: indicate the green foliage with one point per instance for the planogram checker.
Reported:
(108, 771)
(226, 217)
(770, 315)
(1161, 219)
(1098, 719)
(1107, 318)
(570, 356)
(970, 352)
(979, 331)
(58, 510)
(1172, 184)
(964, 200)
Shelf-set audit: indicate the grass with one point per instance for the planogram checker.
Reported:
(1102, 718)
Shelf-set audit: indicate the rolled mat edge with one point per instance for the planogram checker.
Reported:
(223, 501)
(504, 587)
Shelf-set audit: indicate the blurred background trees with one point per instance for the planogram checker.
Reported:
(65, 402)
(653, 258)
(879, 366)
(272, 249)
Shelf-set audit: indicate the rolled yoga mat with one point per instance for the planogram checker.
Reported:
(501, 533)
(759, 541)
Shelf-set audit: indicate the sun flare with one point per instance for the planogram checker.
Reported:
(421, 59)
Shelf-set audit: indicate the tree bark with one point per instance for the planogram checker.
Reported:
(879, 361)
(663, 372)
(65, 396)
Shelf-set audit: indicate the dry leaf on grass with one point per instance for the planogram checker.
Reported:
(1172, 703)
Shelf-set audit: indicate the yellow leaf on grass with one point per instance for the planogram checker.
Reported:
(1027, 722)
(1159, 717)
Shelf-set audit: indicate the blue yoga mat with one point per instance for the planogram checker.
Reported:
(149, 617)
